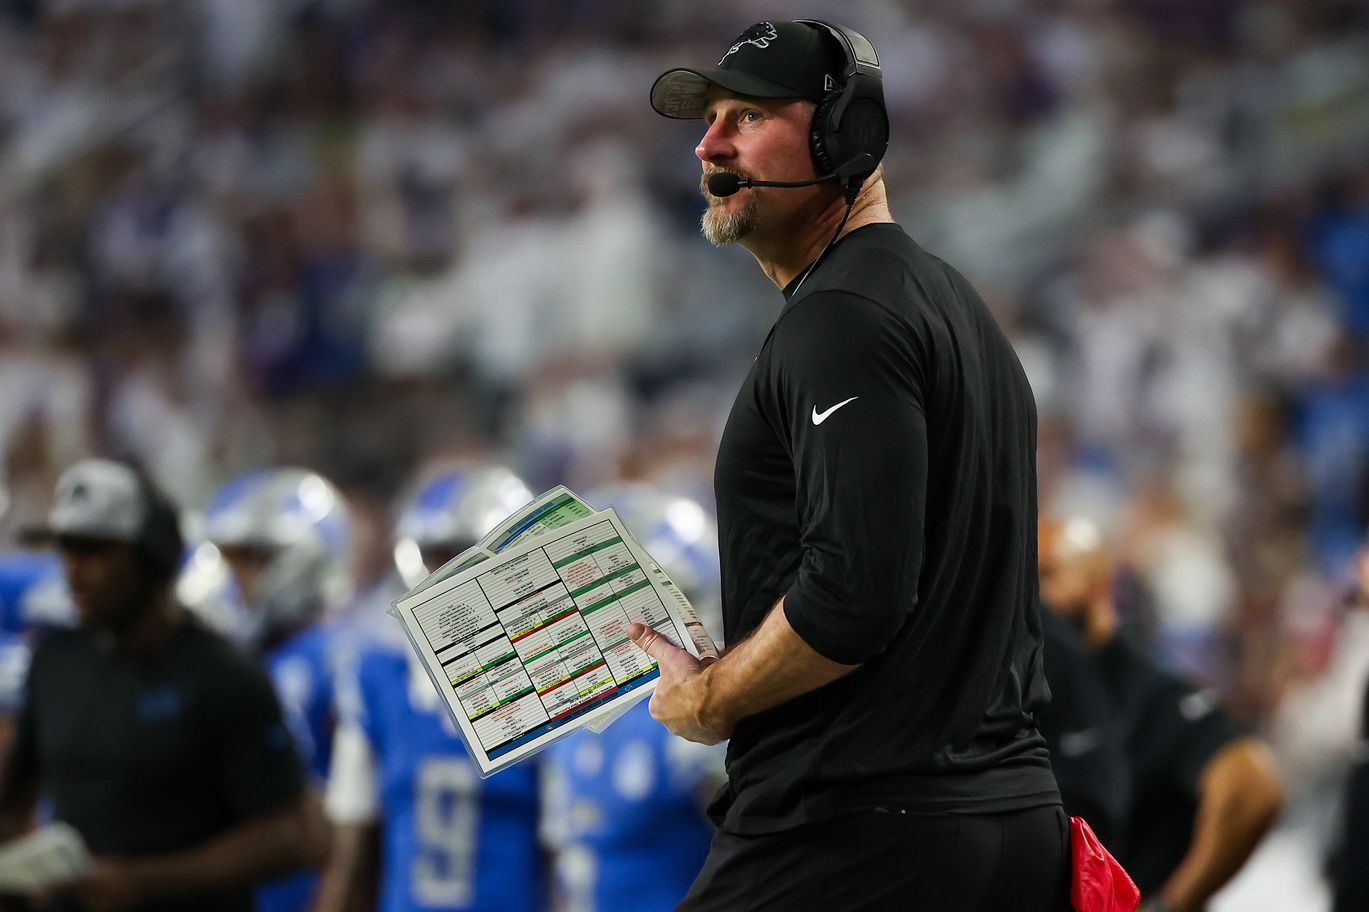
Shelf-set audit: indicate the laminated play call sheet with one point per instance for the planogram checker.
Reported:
(529, 642)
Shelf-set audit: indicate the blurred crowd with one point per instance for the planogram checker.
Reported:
(365, 236)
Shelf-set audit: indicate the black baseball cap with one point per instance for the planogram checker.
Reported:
(768, 60)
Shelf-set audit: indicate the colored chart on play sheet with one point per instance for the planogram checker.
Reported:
(534, 641)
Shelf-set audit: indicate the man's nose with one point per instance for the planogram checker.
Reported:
(716, 147)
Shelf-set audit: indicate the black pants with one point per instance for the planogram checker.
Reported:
(888, 860)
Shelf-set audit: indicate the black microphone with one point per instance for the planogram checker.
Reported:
(725, 183)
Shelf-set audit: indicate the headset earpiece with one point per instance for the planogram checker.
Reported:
(818, 131)
(851, 120)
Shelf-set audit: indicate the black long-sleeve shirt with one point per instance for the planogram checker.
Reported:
(878, 470)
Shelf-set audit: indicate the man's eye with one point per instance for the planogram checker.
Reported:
(751, 116)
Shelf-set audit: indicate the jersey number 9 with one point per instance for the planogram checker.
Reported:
(443, 872)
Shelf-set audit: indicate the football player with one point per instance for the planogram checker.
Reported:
(283, 535)
(416, 827)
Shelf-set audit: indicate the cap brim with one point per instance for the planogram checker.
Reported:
(681, 93)
(49, 535)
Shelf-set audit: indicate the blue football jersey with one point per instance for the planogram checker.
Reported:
(625, 813)
(449, 840)
(302, 671)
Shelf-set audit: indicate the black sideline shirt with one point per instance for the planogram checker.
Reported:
(1170, 730)
(150, 756)
(878, 467)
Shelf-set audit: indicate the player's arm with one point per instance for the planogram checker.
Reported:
(847, 395)
(1239, 796)
(350, 881)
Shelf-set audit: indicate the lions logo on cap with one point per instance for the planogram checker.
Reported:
(760, 35)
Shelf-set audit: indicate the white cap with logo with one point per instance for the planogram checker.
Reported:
(100, 499)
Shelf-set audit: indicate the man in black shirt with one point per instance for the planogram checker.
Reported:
(875, 486)
(1202, 792)
(149, 735)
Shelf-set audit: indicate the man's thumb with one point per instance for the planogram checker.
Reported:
(643, 636)
(651, 642)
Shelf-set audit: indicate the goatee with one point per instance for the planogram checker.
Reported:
(723, 228)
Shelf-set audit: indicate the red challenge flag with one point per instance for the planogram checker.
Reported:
(1098, 883)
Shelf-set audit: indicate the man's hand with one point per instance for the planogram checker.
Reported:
(679, 702)
(703, 701)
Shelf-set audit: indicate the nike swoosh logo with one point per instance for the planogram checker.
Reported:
(820, 417)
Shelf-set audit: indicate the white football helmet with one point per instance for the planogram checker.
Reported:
(451, 511)
(297, 521)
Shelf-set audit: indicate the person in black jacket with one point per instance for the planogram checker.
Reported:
(876, 494)
(152, 737)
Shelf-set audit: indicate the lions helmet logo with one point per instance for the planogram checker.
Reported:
(760, 35)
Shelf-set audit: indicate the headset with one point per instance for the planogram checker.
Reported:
(851, 121)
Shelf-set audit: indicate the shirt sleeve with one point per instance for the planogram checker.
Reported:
(849, 384)
(353, 794)
(258, 766)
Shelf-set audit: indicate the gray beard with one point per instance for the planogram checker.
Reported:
(723, 228)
